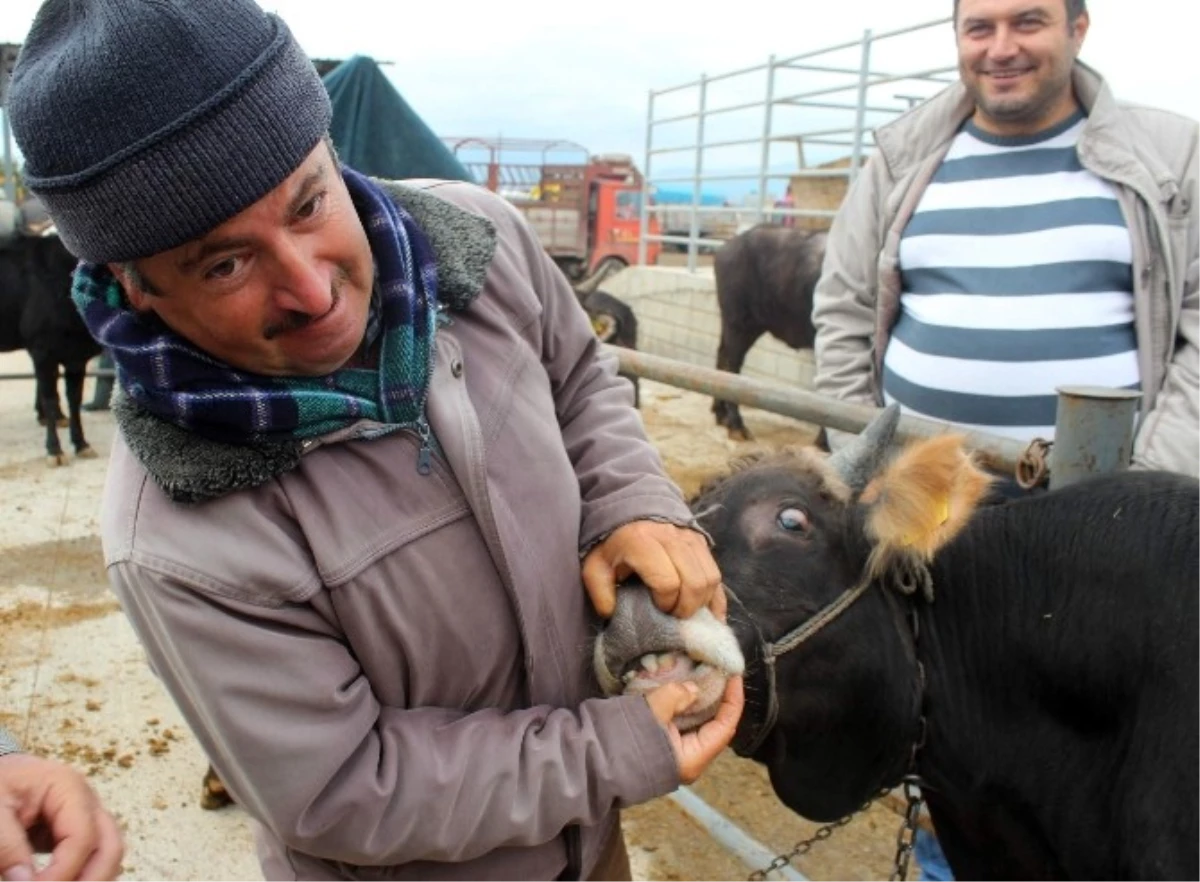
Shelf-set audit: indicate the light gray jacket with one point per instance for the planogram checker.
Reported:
(1149, 155)
(390, 671)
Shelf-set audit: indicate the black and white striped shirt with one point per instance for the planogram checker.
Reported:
(1016, 278)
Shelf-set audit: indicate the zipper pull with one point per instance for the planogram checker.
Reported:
(426, 451)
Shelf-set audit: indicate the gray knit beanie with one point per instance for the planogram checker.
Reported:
(147, 123)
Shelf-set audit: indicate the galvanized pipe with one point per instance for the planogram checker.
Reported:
(99, 372)
(644, 226)
(860, 114)
(698, 176)
(749, 851)
(1093, 433)
(765, 157)
(776, 397)
(10, 177)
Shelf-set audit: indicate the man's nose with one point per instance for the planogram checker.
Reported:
(300, 284)
(1003, 45)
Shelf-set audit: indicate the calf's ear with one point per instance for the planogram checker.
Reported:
(922, 499)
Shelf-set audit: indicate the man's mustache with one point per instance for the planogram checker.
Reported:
(293, 320)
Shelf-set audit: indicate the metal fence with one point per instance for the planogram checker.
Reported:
(843, 123)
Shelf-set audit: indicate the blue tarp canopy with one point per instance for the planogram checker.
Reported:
(663, 196)
(377, 133)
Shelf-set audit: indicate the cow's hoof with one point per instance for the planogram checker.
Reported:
(86, 453)
(56, 460)
(213, 794)
(742, 434)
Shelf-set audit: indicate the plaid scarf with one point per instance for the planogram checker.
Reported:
(167, 376)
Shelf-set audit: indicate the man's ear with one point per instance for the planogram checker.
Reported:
(923, 499)
(134, 293)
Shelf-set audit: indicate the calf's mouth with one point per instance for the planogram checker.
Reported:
(643, 648)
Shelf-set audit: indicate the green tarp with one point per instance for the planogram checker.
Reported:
(377, 133)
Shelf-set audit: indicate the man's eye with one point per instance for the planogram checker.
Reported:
(222, 270)
(311, 207)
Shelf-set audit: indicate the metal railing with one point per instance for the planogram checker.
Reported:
(854, 136)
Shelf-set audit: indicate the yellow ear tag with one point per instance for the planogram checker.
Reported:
(943, 515)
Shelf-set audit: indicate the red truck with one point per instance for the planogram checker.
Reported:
(587, 212)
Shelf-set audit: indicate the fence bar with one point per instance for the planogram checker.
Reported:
(644, 211)
(742, 209)
(781, 398)
(918, 27)
(98, 372)
(697, 178)
(876, 80)
(10, 178)
(860, 114)
(749, 851)
(1093, 433)
(717, 78)
(765, 160)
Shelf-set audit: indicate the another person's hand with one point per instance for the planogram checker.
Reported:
(47, 806)
(674, 562)
(694, 750)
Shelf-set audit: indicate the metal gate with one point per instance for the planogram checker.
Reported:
(814, 84)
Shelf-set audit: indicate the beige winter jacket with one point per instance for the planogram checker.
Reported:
(389, 670)
(1149, 155)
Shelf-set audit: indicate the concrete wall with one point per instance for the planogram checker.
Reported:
(678, 318)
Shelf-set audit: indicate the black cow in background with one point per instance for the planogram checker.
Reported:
(614, 322)
(37, 314)
(765, 278)
(1031, 664)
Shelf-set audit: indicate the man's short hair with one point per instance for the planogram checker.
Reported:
(1075, 8)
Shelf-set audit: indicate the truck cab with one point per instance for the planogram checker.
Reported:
(587, 213)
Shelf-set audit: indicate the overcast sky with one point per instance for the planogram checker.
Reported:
(583, 71)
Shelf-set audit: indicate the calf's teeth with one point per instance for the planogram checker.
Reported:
(650, 662)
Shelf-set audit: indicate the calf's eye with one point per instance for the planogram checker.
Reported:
(793, 520)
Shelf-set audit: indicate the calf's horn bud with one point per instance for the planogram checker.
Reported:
(859, 460)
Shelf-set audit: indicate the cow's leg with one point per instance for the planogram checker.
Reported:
(59, 418)
(46, 370)
(213, 794)
(731, 354)
(74, 381)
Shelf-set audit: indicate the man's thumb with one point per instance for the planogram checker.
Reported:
(670, 700)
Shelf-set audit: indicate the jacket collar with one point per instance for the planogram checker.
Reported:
(189, 468)
(1109, 144)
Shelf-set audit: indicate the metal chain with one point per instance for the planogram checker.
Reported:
(910, 783)
(802, 847)
(906, 838)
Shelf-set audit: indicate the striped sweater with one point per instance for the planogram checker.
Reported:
(1016, 275)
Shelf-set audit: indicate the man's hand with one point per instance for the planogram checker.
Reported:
(674, 562)
(696, 749)
(48, 806)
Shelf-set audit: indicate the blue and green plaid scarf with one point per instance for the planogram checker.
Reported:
(167, 376)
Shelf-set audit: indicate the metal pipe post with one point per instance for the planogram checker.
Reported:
(801, 404)
(644, 228)
(694, 233)
(749, 851)
(10, 177)
(765, 164)
(860, 113)
(1093, 433)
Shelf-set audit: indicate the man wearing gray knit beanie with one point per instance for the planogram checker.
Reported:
(366, 437)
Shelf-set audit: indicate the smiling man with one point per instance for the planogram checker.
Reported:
(1020, 231)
